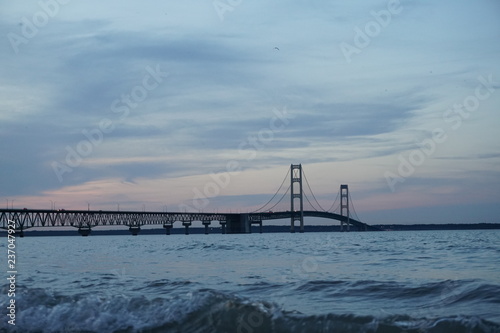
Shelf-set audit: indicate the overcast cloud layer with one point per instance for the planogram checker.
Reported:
(143, 105)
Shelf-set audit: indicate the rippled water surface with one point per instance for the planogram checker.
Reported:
(425, 281)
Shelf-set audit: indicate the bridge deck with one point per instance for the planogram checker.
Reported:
(29, 218)
(311, 213)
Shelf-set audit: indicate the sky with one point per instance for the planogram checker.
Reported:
(204, 105)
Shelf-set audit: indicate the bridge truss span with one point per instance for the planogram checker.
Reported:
(85, 219)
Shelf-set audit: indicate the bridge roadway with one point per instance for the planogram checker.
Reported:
(84, 220)
(312, 213)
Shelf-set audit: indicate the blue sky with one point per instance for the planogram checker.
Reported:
(205, 104)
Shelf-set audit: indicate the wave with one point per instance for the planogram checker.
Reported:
(205, 247)
(206, 310)
(447, 291)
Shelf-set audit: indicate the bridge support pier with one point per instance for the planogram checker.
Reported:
(238, 224)
(186, 225)
(167, 227)
(20, 231)
(206, 224)
(223, 227)
(84, 231)
(134, 230)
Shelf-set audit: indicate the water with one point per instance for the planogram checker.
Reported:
(420, 281)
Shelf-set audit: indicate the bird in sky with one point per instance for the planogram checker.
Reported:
(276, 48)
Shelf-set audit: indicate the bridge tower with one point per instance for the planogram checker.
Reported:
(344, 204)
(296, 177)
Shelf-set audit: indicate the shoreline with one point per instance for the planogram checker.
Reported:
(265, 229)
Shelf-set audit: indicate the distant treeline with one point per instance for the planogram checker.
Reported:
(451, 226)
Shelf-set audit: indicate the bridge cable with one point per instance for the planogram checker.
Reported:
(305, 195)
(270, 208)
(331, 207)
(312, 192)
(255, 211)
(354, 209)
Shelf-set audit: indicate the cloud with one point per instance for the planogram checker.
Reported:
(225, 78)
(471, 157)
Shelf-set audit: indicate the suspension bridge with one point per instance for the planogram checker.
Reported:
(295, 202)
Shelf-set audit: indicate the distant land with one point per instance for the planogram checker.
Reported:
(265, 229)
